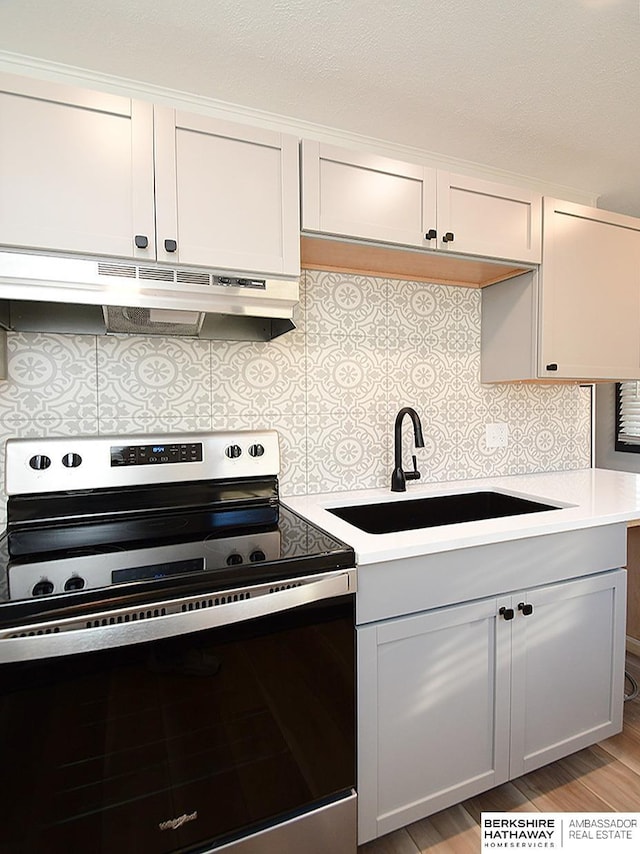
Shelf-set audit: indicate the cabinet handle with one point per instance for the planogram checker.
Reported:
(170, 245)
(526, 608)
(141, 241)
(507, 613)
(431, 234)
(448, 237)
(552, 367)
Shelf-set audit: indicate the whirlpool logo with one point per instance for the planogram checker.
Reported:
(175, 823)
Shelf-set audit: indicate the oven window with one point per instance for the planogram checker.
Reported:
(170, 745)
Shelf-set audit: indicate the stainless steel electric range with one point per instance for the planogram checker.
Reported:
(177, 663)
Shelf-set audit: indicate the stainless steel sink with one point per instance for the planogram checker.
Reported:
(391, 516)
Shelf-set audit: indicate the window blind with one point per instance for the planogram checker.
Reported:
(628, 415)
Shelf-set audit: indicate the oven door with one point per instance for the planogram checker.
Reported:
(239, 735)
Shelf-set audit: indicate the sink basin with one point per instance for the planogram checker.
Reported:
(391, 516)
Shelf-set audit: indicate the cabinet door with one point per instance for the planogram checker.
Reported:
(433, 699)
(488, 219)
(361, 195)
(590, 310)
(567, 681)
(226, 195)
(76, 169)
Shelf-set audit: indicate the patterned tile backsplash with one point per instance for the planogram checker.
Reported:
(363, 348)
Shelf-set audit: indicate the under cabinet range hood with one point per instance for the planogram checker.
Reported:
(47, 293)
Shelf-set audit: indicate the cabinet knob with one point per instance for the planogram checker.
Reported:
(448, 237)
(552, 367)
(170, 245)
(431, 234)
(507, 613)
(526, 608)
(141, 241)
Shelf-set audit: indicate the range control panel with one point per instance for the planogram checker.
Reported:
(153, 455)
(36, 466)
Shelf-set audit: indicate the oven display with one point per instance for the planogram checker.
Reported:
(147, 455)
(157, 570)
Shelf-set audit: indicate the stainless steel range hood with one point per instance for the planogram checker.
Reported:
(46, 293)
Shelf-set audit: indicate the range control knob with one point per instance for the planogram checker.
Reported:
(43, 588)
(39, 462)
(71, 461)
(234, 559)
(256, 450)
(257, 555)
(74, 583)
(233, 451)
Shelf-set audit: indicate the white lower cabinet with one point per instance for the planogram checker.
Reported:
(456, 700)
(433, 713)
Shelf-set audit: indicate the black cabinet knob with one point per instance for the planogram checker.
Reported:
(526, 608)
(448, 237)
(552, 367)
(507, 613)
(170, 245)
(141, 241)
(431, 234)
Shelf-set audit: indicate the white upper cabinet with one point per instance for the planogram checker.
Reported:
(479, 217)
(580, 318)
(226, 194)
(93, 173)
(354, 194)
(365, 196)
(590, 295)
(76, 168)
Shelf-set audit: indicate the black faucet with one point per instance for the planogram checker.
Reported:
(399, 476)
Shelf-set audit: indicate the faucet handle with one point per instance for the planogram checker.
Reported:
(415, 474)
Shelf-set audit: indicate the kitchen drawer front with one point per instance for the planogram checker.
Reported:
(411, 585)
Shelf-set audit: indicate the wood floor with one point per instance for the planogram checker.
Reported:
(602, 778)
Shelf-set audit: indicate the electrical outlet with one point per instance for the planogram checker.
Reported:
(497, 435)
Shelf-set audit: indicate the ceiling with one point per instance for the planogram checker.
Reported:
(548, 89)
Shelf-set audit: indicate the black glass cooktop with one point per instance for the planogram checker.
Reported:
(76, 563)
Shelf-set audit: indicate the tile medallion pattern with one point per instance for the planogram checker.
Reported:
(151, 377)
(363, 348)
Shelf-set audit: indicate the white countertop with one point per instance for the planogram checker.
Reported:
(587, 498)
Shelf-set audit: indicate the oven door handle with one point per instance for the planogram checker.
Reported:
(126, 626)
